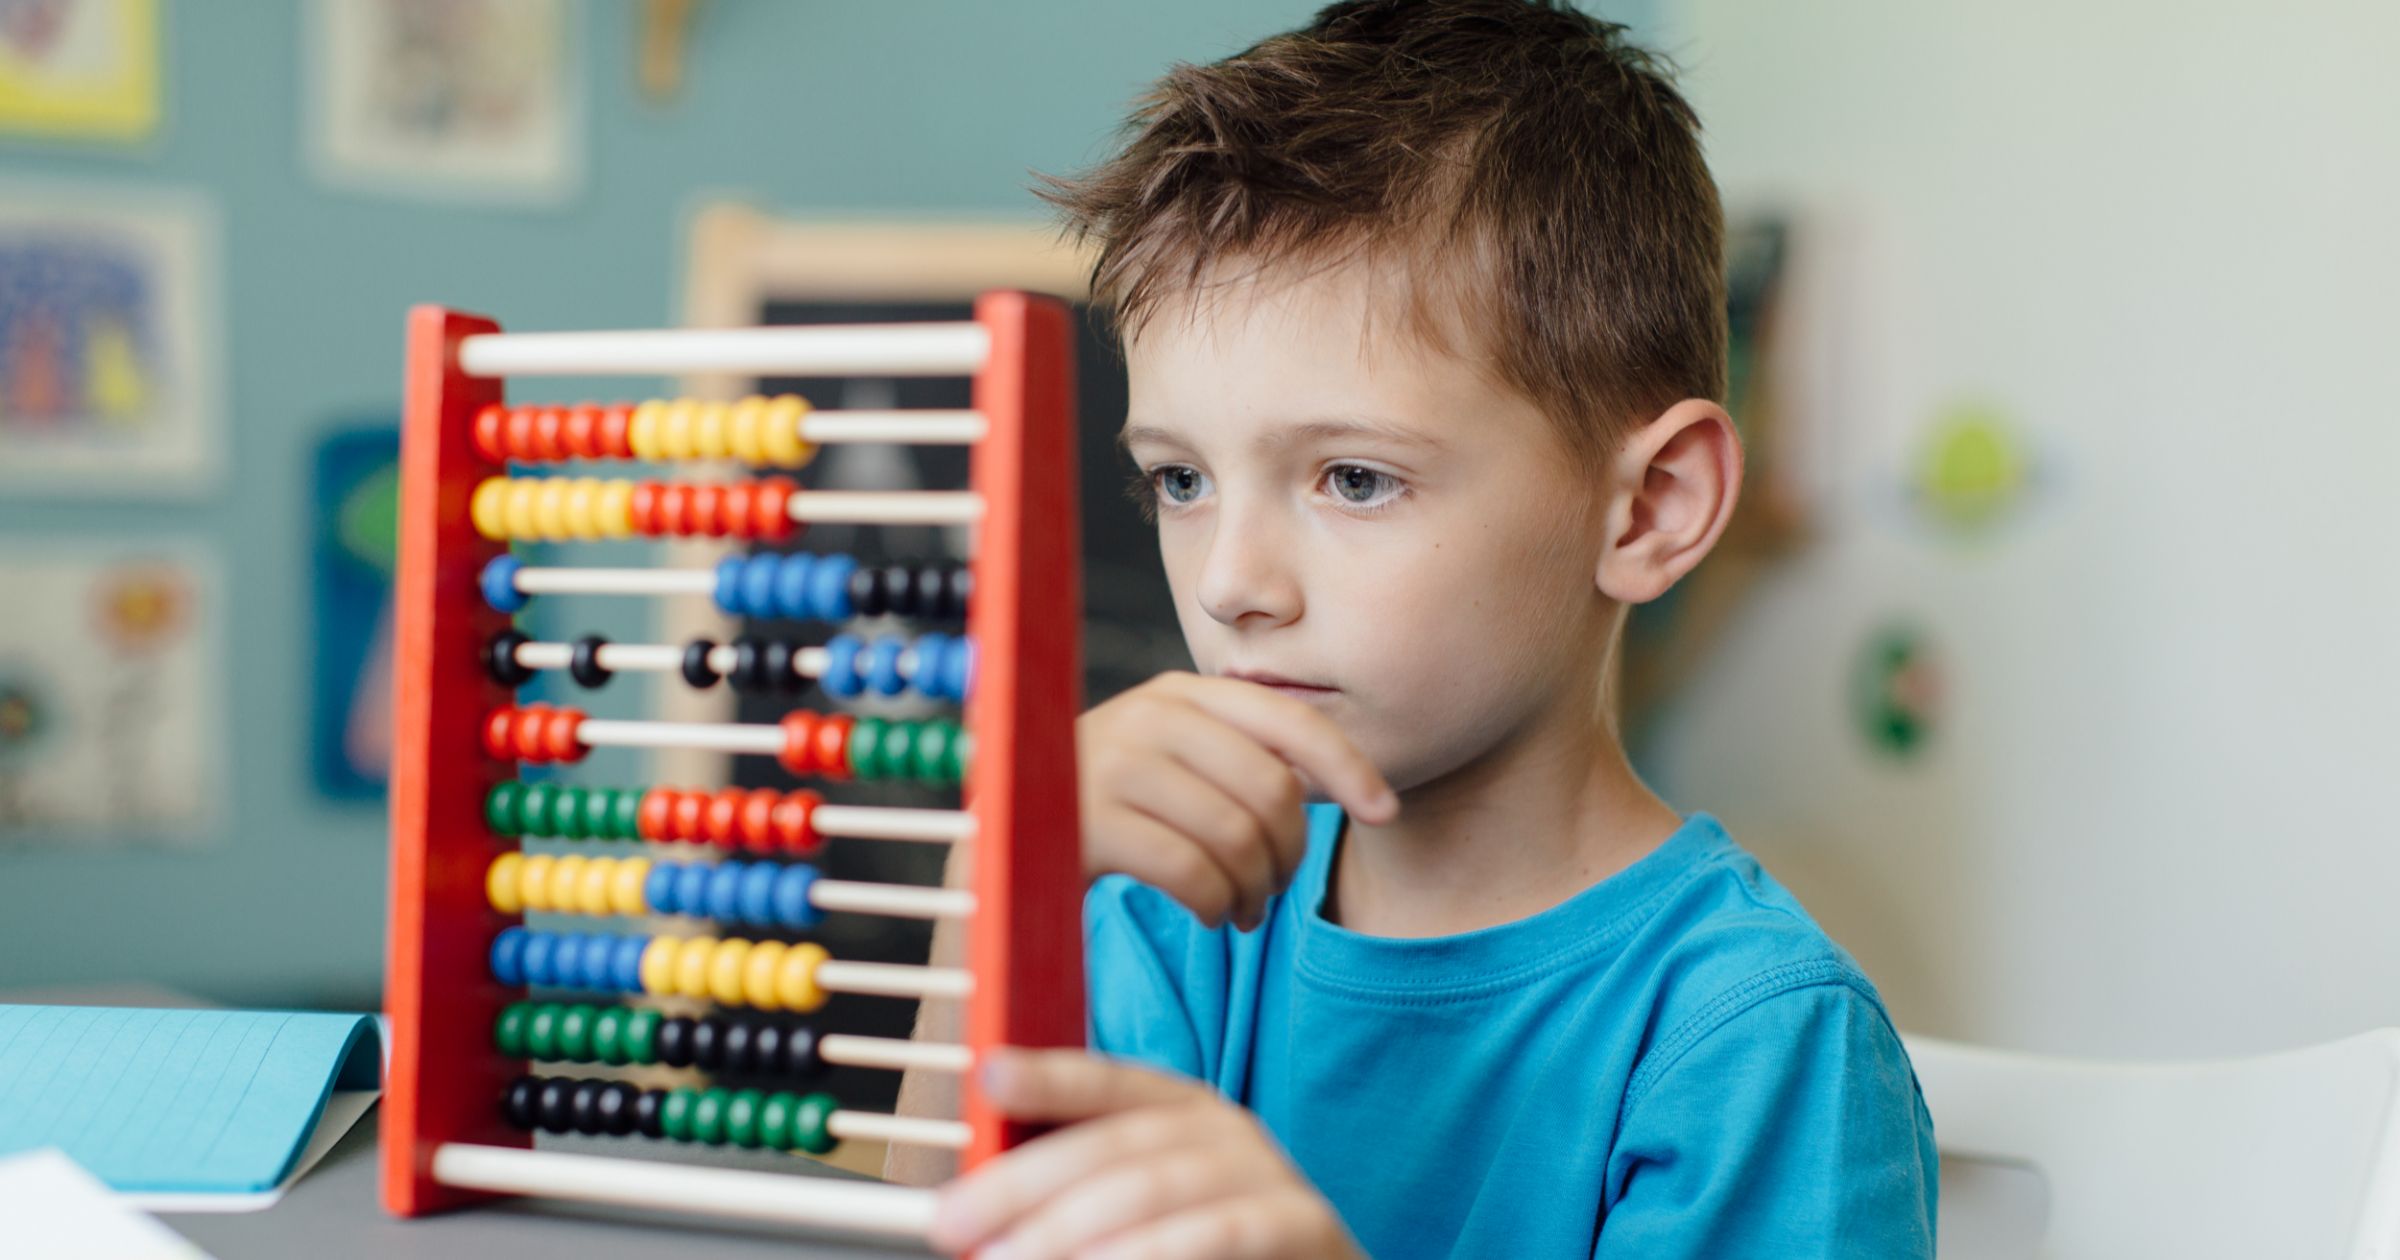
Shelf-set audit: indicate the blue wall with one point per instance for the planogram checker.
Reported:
(836, 108)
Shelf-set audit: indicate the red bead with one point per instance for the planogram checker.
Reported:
(758, 820)
(581, 434)
(519, 433)
(770, 510)
(792, 823)
(642, 506)
(549, 435)
(490, 440)
(833, 746)
(708, 511)
(723, 818)
(690, 815)
(525, 732)
(675, 509)
(500, 734)
(799, 742)
(616, 431)
(561, 735)
(657, 817)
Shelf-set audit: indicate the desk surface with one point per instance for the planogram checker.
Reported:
(333, 1212)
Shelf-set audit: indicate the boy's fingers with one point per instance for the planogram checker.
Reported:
(1124, 1196)
(1172, 862)
(1265, 1226)
(1263, 783)
(1309, 740)
(1222, 826)
(1061, 1086)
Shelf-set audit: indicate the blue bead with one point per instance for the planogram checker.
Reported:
(508, 957)
(791, 584)
(792, 908)
(541, 958)
(691, 889)
(926, 678)
(958, 669)
(757, 898)
(841, 679)
(586, 964)
(500, 583)
(659, 889)
(829, 588)
(758, 586)
(625, 964)
(728, 592)
(883, 666)
(725, 892)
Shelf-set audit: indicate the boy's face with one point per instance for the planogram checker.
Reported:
(1345, 508)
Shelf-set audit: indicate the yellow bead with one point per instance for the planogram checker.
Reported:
(725, 971)
(708, 430)
(675, 430)
(742, 428)
(592, 895)
(641, 432)
(533, 881)
(565, 878)
(550, 506)
(779, 432)
(579, 509)
(500, 883)
(758, 974)
(629, 887)
(691, 966)
(658, 965)
(796, 987)
(616, 509)
(523, 506)
(489, 508)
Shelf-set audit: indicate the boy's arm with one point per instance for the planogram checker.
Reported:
(1791, 1127)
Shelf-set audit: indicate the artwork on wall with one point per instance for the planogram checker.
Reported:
(354, 547)
(111, 725)
(1973, 470)
(108, 358)
(467, 99)
(79, 69)
(1896, 691)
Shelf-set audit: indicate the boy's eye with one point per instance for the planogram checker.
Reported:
(1358, 485)
(1178, 484)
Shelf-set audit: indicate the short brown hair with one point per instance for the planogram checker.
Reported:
(1523, 138)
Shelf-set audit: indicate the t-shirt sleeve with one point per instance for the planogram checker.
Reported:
(1789, 1127)
(1136, 961)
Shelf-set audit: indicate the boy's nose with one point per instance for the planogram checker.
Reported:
(1250, 574)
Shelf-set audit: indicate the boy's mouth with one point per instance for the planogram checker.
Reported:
(1288, 686)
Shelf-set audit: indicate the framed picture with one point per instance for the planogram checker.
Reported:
(79, 69)
(475, 100)
(354, 523)
(109, 367)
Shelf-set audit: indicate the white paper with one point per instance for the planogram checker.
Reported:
(56, 1211)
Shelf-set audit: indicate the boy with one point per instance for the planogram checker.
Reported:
(1423, 310)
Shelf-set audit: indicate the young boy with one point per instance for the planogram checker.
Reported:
(1424, 313)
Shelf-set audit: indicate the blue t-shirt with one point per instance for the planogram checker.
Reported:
(1674, 1062)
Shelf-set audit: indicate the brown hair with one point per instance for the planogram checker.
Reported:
(1544, 172)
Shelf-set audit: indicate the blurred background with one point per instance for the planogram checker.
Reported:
(2049, 664)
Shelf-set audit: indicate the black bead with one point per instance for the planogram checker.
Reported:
(675, 1041)
(733, 1053)
(778, 667)
(583, 1106)
(747, 676)
(584, 667)
(500, 659)
(800, 1058)
(613, 1107)
(959, 588)
(552, 1101)
(930, 582)
(899, 591)
(766, 1048)
(866, 592)
(696, 669)
(517, 1103)
(708, 1043)
(645, 1112)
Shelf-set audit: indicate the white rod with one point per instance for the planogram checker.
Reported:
(617, 581)
(876, 1126)
(899, 901)
(888, 507)
(714, 736)
(895, 979)
(868, 822)
(927, 427)
(822, 350)
(894, 1053)
(666, 658)
(866, 1208)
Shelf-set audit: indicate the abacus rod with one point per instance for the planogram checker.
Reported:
(894, 1053)
(922, 427)
(951, 349)
(572, 581)
(871, 822)
(667, 658)
(713, 736)
(866, 1208)
(895, 979)
(887, 507)
(914, 1130)
(899, 901)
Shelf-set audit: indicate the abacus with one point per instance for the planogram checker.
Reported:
(464, 1096)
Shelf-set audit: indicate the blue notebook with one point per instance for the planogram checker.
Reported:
(177, 1101)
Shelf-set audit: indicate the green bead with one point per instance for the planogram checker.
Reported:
(608, 1035)
(809, 1119)
(625, 814)
(899, 748)
(541, 1032)
(575, 1034)
(504, 807)
(596, 803)
(641, 1036)
(534, 815)
(508, 1034)
(775, 1121)
(931, 764)
(962, 756)
(741, 1117)
(675, 1114)
(708, 1117)
(567, 814)
(866, 749)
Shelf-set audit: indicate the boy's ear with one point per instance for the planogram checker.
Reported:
(1673, 484)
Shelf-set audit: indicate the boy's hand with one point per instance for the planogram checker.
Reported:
(1151, 1166)
(1193, 785)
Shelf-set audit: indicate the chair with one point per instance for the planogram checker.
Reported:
(2291, 1156)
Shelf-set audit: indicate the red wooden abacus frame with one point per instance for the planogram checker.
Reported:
(1024, 943)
